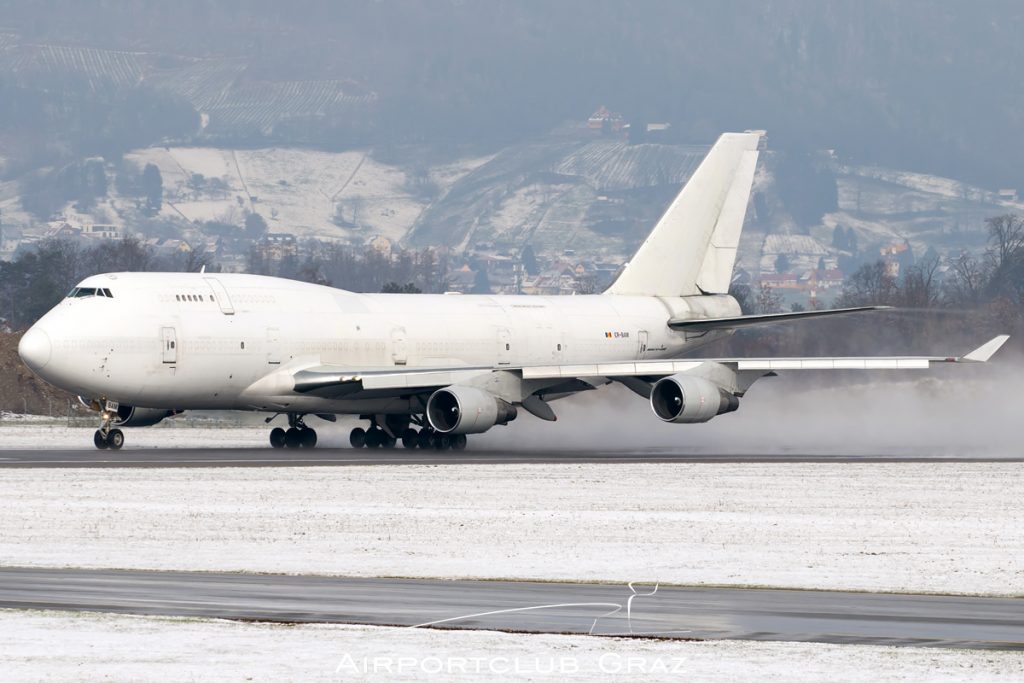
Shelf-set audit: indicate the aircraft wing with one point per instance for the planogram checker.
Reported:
(659, 368)
(334, 382)
(704, 324)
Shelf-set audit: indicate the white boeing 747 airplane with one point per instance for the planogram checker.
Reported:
(427, 369)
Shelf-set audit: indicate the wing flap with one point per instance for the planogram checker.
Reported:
(833, 363)
(342, 381)
(631, 369)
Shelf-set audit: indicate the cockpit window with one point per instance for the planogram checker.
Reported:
(82, 292)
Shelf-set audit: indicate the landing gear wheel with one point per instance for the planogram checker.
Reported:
(423, 439)
(357, 437)
(308, 437)
(410, 439)
(99, 440)
(459, 442)
(115, 439)
(374, 438)
(387, 441)
(292, 438)
(442, 442)
(277, 437)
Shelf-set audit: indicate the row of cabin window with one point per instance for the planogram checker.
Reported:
(191, 297)
(81, 292)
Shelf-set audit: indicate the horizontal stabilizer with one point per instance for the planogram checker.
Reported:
(701, 325)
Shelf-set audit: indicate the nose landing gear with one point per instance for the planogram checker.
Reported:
(105, 437)
(298, 434)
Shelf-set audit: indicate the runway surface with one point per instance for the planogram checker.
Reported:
(671, 612)
(269, 457)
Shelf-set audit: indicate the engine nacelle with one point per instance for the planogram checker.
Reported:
(467, 410)
(130, 416)
(686, 399)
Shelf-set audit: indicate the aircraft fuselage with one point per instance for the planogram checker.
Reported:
(214, 341)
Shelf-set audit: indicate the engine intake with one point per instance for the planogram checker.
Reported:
(130, 416)
(467, 410)
(686, 399)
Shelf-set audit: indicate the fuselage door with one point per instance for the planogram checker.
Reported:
(399, 354)
(504, 346)
(221, 295)
(642, 341)
(169, 344)
(273, 346)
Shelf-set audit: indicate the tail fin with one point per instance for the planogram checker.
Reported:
(692, 249)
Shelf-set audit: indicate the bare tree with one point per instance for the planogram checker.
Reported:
(1006, 256)
(195, 260)
(1006, 237)
(965, 282)
(768, 300)
(920, 288)
(871, 284)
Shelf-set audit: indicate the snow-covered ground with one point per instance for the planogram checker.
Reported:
(296, 190)
(87, 647)
(949, 528)
(28, 433)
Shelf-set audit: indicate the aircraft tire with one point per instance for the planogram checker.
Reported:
(99, 440)
(292, 438)
(357, 437)
(307, 437)
(423, 439)
(115, 439)
(277, 437)
(459, 442)
(410, 439)
(374, 438)
(442, 442)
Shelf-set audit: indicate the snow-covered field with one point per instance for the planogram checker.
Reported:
(931, 527)
(30, 434)
(87, 647)
(296, 190)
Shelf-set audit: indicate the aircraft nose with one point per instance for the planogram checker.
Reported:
(35, 348)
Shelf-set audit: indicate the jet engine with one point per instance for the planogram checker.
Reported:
(130, 416)
(686, 399)
(466, 410)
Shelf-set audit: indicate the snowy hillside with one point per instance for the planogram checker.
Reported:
(594, 198)
(334, 195)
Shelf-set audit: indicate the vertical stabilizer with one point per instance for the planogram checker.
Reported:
(692, 249)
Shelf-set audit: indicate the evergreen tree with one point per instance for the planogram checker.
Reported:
(529, 259)
(255, 226)
(782, 264)
(153, 188)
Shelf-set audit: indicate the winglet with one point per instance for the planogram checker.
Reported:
(986, 350)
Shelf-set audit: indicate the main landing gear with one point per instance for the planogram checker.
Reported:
(298, 435)
(105, 437)
(374, 437)
(426, 437)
